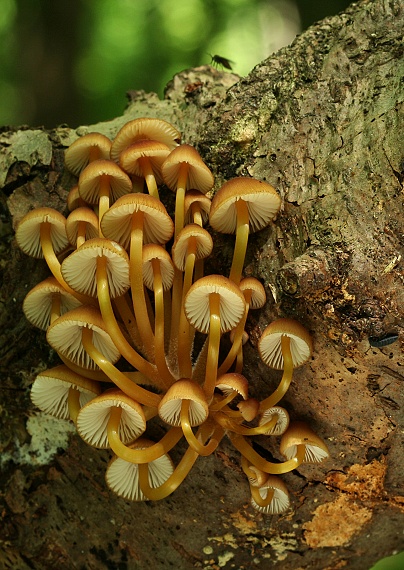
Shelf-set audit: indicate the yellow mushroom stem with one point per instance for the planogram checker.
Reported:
(54, 264)
(73, 402)
(261, 502)
(122, 305)
(219, 403)
(139, 456)
(196, 213)
(161, 363)
(184, 335)
(180, 197)
(253, 474)
(149, 177)
(237, 346)
(284, 384)
(103, 201)
(213, 346)
(228, 424)
(272, 468)
(118, 378)
(137, 286)
(81, 233)
(190, 436)
(176, 308)
(114, 331)
(240, 247)
(97, 375)
(179, 474)
(55, 307)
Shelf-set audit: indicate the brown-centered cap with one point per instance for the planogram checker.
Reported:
(103, 170)
(132, 158)
(256, 291)
(144, 129)
(203, 244)
(116, 223)
(154, 251)
(170, 406)
(79, 270)
(50, 390)
(28, 233)
(269, 345)
(198, 176)
(195, 200)
(263, 203)
(232, 304)
(37, 305)
(81, 215)
(232, 381)
(90, 147)
(92, 420)
(299, 433)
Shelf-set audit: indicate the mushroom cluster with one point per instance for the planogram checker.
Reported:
(128, 286)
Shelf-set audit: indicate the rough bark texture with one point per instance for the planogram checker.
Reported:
(322, 121)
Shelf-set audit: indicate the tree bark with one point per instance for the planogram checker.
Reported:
(322, 120)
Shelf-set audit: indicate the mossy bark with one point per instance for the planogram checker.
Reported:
(322, 121)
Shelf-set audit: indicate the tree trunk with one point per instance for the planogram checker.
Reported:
(322, 121)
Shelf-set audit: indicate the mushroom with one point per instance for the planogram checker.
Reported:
(241, 206)
(182, 170)
(271, 497)
(197, 207)
(61, 392)
(281, 417)
(184, 404)
(284, 344)
(81, 225)
(86, 149)
(232, 385)
(144, 129)
(46, 302)
(300, 437)
(122, 476)
(213, 305)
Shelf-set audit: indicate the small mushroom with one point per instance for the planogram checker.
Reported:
(299, 436)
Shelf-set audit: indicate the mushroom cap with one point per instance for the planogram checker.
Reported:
(198, 176)
(280, 501)
(170, 405)
(64, 336)
(204, 244)
(144, 129)
(81, 214)
(122, 477)
(154, 251)
(299, 433)
(269, 345)
(258, 296)
(79, 270)
(91, 177)
(201, 200)
(28, 233)
(50, 390)
(282, 422)
(263, 203)
(196, 306)
(249, 409)
(90, 146)
(156, 152)
(232, 381)
(73, 199)
(37, 304)
(116, 223)
(92, 420)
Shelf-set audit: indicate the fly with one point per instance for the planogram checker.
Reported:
(217, 60)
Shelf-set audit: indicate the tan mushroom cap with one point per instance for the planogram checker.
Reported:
(258, 296)
(263, 203)
(79, 270)
(196, 200)
(198, 176)
(203, 242)
(122, 477)
(144, 129)
(269, 345)
(28, 233)
(90, 147)
(92, 420)
(282, 422)
(91, 177)
(249, 409)
(50, 390)
(299, 433)
(154, 251)
(232, 381)
(196, 306)
(81, 215)
(155, 152)
(64, 336)
(280, 501)
(74, 200)
(170, 406)
(116, 223)
(37, 305)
